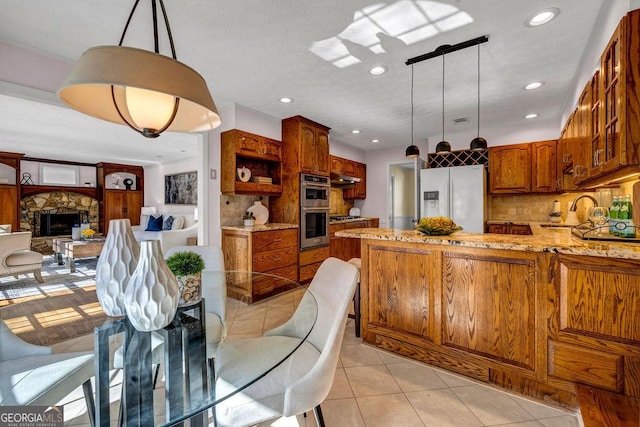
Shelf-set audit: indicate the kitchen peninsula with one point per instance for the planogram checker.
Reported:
(533, 314)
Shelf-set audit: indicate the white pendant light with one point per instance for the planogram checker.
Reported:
(147, 91)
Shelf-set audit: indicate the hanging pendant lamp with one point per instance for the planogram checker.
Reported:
(149, 92)
(443, 146)
(412, 150)
(478, 143)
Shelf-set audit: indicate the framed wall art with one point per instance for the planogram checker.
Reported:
(181, 188)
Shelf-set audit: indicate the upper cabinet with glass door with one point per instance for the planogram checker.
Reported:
(618, 142)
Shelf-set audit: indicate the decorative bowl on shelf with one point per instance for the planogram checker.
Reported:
(437, 226)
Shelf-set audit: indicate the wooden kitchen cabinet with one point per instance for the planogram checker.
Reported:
(359, 189)
(298, 137)
(116, 203)
(337, 165)
(614, 120)
(312, 144)
(261, 155)
(274, 252)
(510, 169)
(593, 329)
(10, 192)
(523, 168)
(543, 166)
(506, 228)
(346, 248)
(310, 260)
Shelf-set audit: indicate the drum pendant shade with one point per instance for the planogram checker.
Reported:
(88, 87)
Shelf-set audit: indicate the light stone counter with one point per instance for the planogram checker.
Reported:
(544, 239)
(265, 227)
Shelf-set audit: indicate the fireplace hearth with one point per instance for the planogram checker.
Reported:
(57, 221)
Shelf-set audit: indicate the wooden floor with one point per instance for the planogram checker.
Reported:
(602, 408)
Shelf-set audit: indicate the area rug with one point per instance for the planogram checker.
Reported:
(65, 306)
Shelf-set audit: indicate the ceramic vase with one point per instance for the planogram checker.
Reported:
(118, 259)
(151, 296)
(190, 287)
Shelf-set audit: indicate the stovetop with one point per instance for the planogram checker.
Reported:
(342, 218)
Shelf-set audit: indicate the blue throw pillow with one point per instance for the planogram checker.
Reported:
(155, 224)
(168, 223)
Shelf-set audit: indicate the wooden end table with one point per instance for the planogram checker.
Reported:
(71, 249)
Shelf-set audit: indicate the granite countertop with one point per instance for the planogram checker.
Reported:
(544, 239)
(264, 227)
(360, 218)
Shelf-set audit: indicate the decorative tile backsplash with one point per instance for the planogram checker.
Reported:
(536, 207)
(233, 207)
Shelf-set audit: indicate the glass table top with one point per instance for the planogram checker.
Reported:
(186, 388)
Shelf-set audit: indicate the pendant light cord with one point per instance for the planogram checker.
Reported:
(412, 104)
(155, 27)
(478, 91)
(443, 97)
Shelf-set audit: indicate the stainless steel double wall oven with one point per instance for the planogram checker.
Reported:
(314, 211)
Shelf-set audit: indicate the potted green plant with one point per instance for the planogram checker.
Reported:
(249, 219)
(187, 266)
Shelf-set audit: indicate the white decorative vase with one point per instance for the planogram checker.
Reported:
(118, 259)
(151, 296)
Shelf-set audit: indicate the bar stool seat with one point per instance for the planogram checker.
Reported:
(356, 297)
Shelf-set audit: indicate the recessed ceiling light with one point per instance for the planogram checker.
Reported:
(542, 17)
(375, 141)
(377, 70)
(531, 116)
(355, 131)
(534, 85)
(286, 100)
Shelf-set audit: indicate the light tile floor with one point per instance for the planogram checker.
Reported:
(374, 388)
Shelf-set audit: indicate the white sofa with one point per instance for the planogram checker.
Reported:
(168, 238)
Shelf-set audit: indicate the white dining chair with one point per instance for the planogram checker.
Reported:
(32, 375)
(302, 381)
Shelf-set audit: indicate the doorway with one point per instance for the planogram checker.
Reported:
(403, 191)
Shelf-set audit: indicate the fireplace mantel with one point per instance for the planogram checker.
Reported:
(28, 190)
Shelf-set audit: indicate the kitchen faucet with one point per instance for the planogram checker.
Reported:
(575, 202)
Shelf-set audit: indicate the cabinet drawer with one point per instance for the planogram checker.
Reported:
(579, 364)
(276, 239)
(314, 255)
(281, 278)
(308, 271)
(277, 258)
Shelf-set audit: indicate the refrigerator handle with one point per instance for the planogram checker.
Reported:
(451, 204)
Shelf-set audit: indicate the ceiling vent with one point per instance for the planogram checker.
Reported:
(461, 120)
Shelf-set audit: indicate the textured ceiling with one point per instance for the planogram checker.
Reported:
(253, 52)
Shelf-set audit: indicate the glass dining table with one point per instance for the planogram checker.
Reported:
(189, 390)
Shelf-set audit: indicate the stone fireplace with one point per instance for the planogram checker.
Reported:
(52, 214)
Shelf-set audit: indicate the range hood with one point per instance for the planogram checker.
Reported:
(338, 179)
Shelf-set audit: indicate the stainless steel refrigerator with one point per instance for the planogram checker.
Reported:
(456, 192)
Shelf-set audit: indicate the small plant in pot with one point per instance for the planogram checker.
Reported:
(187, 266)
(249, 219)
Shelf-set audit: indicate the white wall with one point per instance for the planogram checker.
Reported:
(154, 184)
(339, 149)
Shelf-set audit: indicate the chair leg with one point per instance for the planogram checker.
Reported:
(38, 276)
(356, 308)
(155, 376)
(91, 406)
(211, 365)
(317, 412)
